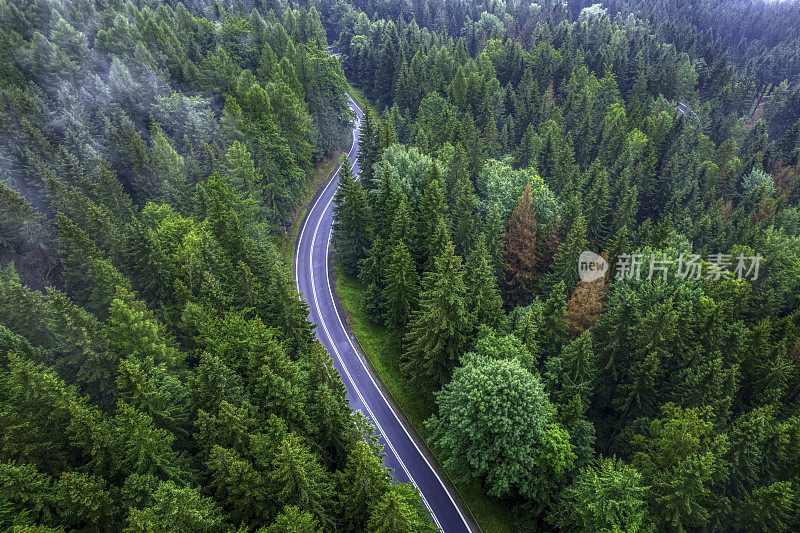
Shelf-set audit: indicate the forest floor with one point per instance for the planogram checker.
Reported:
(383, 350)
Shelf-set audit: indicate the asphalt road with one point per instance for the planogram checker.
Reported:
(404, 455)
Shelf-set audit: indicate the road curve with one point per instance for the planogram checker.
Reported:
(404, 455)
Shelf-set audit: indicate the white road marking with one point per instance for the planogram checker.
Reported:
(350, 341)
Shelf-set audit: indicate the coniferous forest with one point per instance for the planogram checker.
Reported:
(158, 372)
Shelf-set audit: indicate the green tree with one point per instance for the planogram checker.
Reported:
(604, 497)
(440, 329)
(681, 458)
(299, 479)
(175, 508)
(352, 229)
(292, 519)
(368, 149)
(362, 484)
(526, 454)
(400, 511)
(402, 289)
(483, 295)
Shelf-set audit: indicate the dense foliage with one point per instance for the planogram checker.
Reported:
(508, 138)
(158, 372)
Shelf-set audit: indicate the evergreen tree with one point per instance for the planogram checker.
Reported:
(606, 496)
(465, 216)
(519, 253)
(565, 263)
(402, 289)
(299, 480)
(681, 459)
(352, 230)
(483, 295)
(363, 483)
(431, 209)
(440, 329)
(368, 149)
(400, 511)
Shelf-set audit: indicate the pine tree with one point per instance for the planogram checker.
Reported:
(571, 373)
(519, 253)
(402, 290)
(431, 208)
(362, 484)
(299, 479)
(441, 328)
(368, 149)
(176, 508)
(565, 263)
(352, 230)
(238, 484)
(400, 511)
(387, 202)
(606, 496)
(597, 204)
(241, 172)
(292, 519)
(436, 243)
(681, 458)
(401, 225)
(495, 240)
(554, 320)
(483, 296)
(465, 216)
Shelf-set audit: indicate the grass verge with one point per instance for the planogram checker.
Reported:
(322, 171)
(358, 96)
(383, 351)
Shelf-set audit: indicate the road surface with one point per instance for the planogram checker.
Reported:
(404, 455)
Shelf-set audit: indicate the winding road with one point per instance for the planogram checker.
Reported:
(407, 457)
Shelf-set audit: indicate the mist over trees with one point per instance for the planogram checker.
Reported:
(158, 372)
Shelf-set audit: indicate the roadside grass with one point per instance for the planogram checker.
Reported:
(358, 96)
(322, 171)
(383, 351)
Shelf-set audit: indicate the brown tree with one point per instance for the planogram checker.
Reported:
(585, 304)
(519, 252)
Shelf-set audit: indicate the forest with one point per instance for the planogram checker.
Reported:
(508, 138)
(157, 369)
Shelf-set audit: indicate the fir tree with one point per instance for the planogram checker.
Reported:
(441, 327)
(402, 289)
(352, 225)
(519, 253)
(368, 148)
(483, 295)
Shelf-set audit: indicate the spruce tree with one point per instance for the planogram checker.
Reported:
(400, 511)
(436, 243)
(368, 148)
(565, 263)
(483, 295)
(352, 228)
(362, 484)
(431, 207)
(495, 240)
(441, 328)
(465, 216)
(299, 480)
(554, 320)
(402, 289)
(519, 252)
